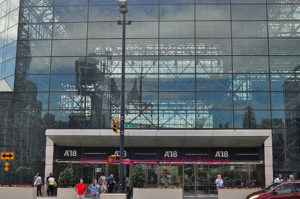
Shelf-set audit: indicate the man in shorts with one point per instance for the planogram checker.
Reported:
(80, 189)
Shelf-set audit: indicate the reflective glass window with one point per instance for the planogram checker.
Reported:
(284, 29)
(250, 46)
(277, 99)
(213, 47)
(105, 30)
(33, 65)
(141, 46)
(33, 48)
(141, 30)
(253, 119)
(213, 12)
(69, 48)
(176, 82)
(284, 46)
(143, 13)
(285, 82)
(284, 12)
(278, 121)
(214, 82)
(37, 14)
(103, 46)
(214, 119)
(177, 46)
(250, 82)
(249, 12)
(176, 64)
(69, 30)
(284, 64)
(213, 100)
(104, 13)
(70, 14)
(176, 12)
(213, 64)
(256, 100)
(35, 31)
(250, 64)
(33, 83)
(177, 30)
(213, 29)
(66, 65)
(285, 100)
(249, 29)
(71, 2)
(248, 1)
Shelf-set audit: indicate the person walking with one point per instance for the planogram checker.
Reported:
(111, 181)
(38, 183)
(94, 189)
(80, 189)
(103, 184)
(219, 182)
(51, 185)
(278, 179)
(47, 183)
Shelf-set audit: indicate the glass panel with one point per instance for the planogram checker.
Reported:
(99, 47)
(189, 180)
(176, 64)
(291, 100)
(212, 12)
(176, 82)
(37, 2)
(70, 14)
(70, 31)
(249, 29)
(213, 47)
(177, 30)
(248, 1)
(36, 14)
(105, 30)
(284, 64)
(177, 46)
(33, 48)
(284, 29)
(250, 64)
(250, 82)
(141, 47)
(35, 31)
(285, 82)
(212, 1)
(62, 65)
(213, 29)
(71, 2)
(249, 12)
(253, 119)
(254, 100)
(33, 65)
(142, 30)
(32, 83)
(214, 82)
(284, 46)
(177, 1)
(214, 100)
(143, 13)
(250, 46)
(278, 100)
(213, 64)
(176, 12)
(284, 12)
(104, 13)
(69, 48)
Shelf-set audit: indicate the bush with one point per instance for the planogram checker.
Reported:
(66, 178)
(138, 177)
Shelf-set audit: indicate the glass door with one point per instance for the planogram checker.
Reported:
(189, 180)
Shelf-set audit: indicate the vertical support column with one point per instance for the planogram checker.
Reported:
(49, 157)
(268, 150)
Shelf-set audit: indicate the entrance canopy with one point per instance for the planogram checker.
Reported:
(159, 138)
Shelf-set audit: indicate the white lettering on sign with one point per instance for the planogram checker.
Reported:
(70, 153)
(221, 154)
(171, 154)
(118, 153)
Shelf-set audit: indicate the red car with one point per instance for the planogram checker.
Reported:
(285, 190)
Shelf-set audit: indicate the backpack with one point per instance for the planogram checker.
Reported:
(101, 180)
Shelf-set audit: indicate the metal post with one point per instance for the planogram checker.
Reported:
(121, 185)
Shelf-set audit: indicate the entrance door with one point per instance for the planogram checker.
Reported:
(115, 169)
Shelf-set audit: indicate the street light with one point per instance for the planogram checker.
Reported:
(123, 10)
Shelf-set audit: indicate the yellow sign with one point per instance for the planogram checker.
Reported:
(6, 164)
(6, 169)
(7, 155)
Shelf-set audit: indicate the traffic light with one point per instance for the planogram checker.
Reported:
(116, 125)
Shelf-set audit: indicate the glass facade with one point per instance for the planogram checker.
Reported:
(190, 64)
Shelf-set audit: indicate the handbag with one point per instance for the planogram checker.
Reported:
(35, 183)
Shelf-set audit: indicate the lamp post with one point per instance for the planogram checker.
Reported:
(123, 10)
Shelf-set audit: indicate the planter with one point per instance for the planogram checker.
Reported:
(66, 193)
(18, 192)
(157, 193)
(112, 196)
(235, 193)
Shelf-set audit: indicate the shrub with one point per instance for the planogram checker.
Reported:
(66, 178)
(138, 177)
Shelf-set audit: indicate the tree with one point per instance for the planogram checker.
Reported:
(138, 177)
(66, 178)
